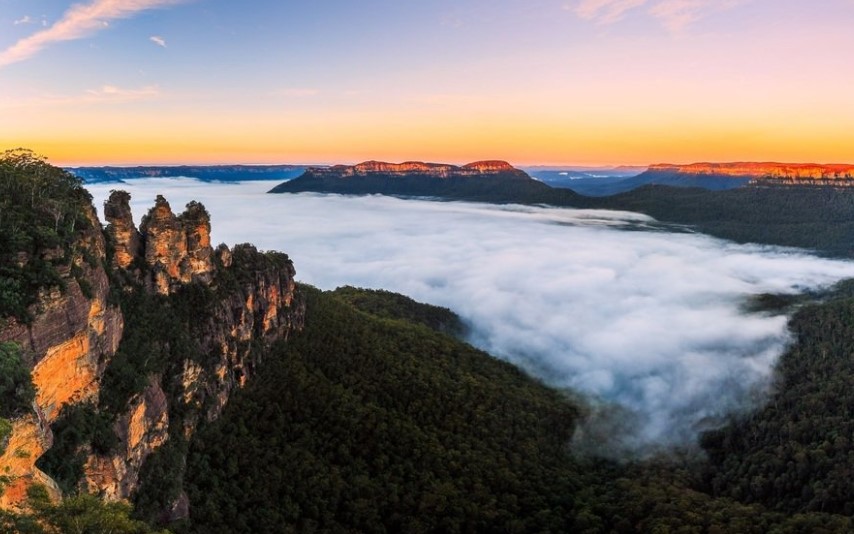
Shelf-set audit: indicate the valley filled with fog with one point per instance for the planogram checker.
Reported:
(610, 304)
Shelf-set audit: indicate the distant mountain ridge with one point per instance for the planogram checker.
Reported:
(206, 173)
(407, 168)
(762, 170)
(492, 180)
(727, 175)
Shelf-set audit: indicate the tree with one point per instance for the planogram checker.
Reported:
(16, 384)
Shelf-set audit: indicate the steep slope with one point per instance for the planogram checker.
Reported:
(376, 424)
(69, 329)
(89, 301)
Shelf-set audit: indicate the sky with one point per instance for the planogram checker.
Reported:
(650, 320)
(583, 82)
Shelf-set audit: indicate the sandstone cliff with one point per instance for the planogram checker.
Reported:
(244, 300)
(416, 168)
(769, 173)
(254, 305)
(69, 343)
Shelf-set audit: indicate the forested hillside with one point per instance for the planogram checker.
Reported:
(377, 424)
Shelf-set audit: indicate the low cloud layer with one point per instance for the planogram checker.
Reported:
(650, 320)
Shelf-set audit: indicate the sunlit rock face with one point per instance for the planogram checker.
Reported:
(176, 249)
(416, 168)
(141, 430)
(122, 230)
(772, 173)
(75, 333)
(71, 339)
(166, 245)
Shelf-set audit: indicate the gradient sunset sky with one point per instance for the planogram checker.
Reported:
(340, 81)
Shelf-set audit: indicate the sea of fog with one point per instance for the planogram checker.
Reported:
(606, 303)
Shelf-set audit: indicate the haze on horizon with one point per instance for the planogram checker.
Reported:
(584, 82)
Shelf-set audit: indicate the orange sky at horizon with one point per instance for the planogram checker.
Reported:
(542, 82)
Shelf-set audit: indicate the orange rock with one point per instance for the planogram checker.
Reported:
(763, 170)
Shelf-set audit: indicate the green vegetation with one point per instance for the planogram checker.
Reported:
(379, 424)
(797, 454)
(5, 432)
(367, 424)
(387, 305)
(157, 334)
(819, 218)
(82, 514)
(16, 384)
(78, 427)
(41, 208)
(374, 419)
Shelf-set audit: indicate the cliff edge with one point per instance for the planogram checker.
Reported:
(147, 331)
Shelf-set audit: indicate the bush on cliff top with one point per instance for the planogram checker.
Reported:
(41, 209)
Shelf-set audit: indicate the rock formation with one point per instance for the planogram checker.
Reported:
(125, 236)
(73, 337)
(176, 249)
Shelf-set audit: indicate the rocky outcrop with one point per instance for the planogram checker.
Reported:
(176, 249)
(71, 339)
(140, 430)
(122, 230)
(257, 308)
(251, 302)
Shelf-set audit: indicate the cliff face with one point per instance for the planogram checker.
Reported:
(250, 302)
(70, 341)
(177, 250)
(256, 309)
(776, 173)
(416, 168)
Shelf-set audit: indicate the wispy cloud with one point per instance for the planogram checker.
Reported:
(675, 15)
(106, 94)
(159, 41)
(80, 21)
(26, 19)
(296, 92)
(606, 11)
(114, 93)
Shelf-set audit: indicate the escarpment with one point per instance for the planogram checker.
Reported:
(229, 304)
(785, 174)
(72, 336)
(152, 332)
